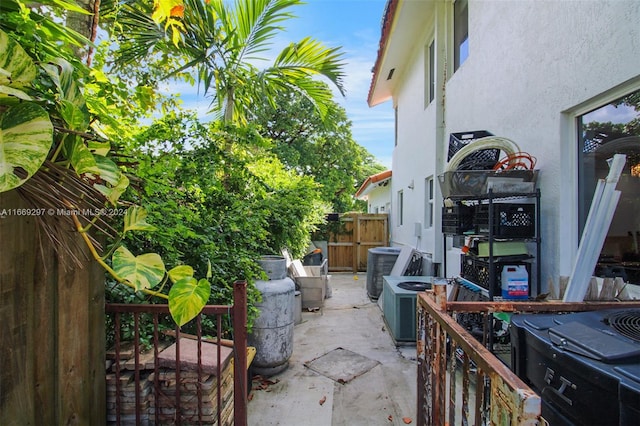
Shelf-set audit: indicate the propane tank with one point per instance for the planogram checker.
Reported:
(272, 333)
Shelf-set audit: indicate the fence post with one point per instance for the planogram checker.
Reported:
(240, 381)
(440, 293)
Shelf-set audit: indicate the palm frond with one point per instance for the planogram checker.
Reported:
(257, 22)
(310, 57)
(277, 81)
(132, 26)
(52, 189)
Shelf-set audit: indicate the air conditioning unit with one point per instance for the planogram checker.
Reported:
(380, 261)
(584, 365)
(399, 305)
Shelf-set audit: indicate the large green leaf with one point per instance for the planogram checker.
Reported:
(17, 69)
(17, 93)
(73, 116)
(187, 297)
(135, 220)
(72, 106)
(26, 134)
(143, 271)
(180, 272)
(114, 192)
(99, 148)
(110, 172)
(82, 160)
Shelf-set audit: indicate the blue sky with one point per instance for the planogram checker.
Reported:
(354, 25)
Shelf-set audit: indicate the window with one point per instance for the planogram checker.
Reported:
(400, 207)
(428, 202)
(430, 74)
(460, 33)
(613, 129)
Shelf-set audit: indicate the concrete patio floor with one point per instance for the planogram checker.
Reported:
(354, 373)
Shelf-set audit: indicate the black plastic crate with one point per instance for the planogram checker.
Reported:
(484, 159)
(457, 219)
(510, 220)
(476, 270)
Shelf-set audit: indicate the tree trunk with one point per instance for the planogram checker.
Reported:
(85, 24)
(229, 105)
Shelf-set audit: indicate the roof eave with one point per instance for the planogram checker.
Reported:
(404, 23)
(379, 91)
(372, 182)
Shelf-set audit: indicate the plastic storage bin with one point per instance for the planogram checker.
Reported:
(483, 159)
(510, 220)
(457, 219)
(471, 184)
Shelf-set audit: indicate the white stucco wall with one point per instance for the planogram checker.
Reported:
(533, 66)
(413, 160)
(415, 156)
(379, 199)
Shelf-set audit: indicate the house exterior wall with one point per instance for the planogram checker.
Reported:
(414, 158)
(533, 66)
(379, 199)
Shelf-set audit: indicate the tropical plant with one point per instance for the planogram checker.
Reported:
(54, 153)
(223, 44)
(60, 120)
(215, 189)
(216, 193)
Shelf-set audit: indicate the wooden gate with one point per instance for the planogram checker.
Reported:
(348, 248)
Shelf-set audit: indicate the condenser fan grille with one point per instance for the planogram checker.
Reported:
(627, 323)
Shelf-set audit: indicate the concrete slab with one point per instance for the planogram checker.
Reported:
(341, 365)
(294, 400)
(372, 399)
(349, 320)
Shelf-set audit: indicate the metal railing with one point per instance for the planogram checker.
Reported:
(460, 381)
(198, 383)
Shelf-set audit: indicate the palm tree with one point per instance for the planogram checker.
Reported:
(222, 42)
(224, 51)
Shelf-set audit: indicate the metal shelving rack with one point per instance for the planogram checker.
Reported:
(490, 199)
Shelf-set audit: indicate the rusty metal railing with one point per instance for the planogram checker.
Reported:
(460, 381)
(145, 390)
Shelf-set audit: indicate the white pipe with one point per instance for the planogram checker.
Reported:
(579, 283)
(603, 207)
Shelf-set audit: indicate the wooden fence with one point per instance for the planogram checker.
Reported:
(51, 326)
(348, 248)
